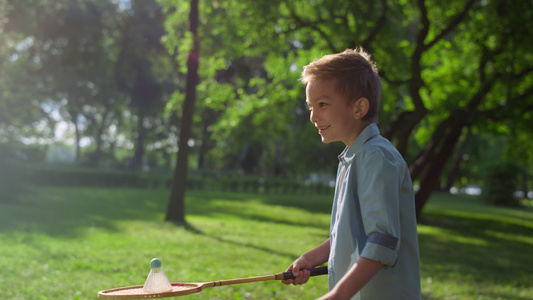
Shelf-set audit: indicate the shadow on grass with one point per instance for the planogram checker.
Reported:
(211, 204)
(477, 251)
(197, 231)
(70, 212)
(62, 211)
(471, 246)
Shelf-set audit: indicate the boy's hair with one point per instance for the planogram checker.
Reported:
(357, 74)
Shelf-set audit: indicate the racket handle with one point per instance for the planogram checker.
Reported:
(314, 272)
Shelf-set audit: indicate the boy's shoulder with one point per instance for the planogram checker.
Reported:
(371, 139)
(370, 143)
(379, 146)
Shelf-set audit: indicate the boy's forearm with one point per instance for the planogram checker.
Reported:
(318, 255)
(359, 275)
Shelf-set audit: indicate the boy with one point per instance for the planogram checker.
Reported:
(372, 252)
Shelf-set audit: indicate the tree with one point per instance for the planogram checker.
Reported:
(491, 80)
(138, 66)
(445, 68)
(67, 56)
(451, 72)
(20, 112)
(176, 204)
(93, 64)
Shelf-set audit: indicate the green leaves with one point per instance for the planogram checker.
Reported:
(475, 57)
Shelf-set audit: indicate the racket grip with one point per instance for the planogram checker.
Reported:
(314, 272)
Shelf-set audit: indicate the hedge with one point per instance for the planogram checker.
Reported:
(195, 181)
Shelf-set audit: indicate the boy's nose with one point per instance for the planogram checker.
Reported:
(312, 117)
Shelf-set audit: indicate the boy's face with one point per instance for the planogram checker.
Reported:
(331, 113)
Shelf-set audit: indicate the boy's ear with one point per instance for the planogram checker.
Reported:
(361, 107)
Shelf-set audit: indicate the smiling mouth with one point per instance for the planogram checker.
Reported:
(322, 128)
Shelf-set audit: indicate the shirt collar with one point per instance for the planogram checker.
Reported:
(349, 152)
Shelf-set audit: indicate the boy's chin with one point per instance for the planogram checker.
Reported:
(325, 141)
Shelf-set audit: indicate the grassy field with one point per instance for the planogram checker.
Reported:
(69, 243)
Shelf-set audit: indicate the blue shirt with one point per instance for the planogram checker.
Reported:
(373, 216)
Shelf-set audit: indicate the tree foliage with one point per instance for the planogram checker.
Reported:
(445, 68)
(91, 64)
(457, 80)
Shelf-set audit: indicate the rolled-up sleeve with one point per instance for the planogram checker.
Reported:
(381, 252)
(378, 191)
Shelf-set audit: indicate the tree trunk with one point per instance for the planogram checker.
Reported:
(176, 204)
(77, 133)
(456, 164)
(428, 167)
(136, 162)
(97, 154)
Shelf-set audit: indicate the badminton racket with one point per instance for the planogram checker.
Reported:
(181, 289)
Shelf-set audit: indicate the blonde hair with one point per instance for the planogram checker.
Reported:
(357, 74)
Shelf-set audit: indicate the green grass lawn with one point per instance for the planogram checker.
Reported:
(69, 243)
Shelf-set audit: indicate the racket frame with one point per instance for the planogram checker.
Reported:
(198, 287)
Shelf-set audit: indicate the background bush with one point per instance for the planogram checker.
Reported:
(13, 176)
(501, 181)
(212, 181)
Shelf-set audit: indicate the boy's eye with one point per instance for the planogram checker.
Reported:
(322, 104)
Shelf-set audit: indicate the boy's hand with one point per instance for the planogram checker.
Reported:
(301, 275)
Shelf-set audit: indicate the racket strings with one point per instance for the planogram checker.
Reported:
(137, 292)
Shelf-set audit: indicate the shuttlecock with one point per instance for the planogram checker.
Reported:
(157, 281)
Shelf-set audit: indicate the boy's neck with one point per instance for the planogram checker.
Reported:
(360, 129)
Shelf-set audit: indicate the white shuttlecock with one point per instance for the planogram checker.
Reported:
(157, 281)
